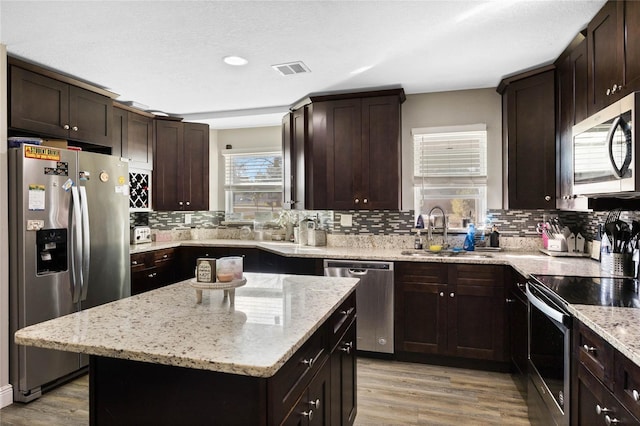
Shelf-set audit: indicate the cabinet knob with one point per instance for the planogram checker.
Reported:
(609, 421)
(589, 349)
(451, 294)
(315, 404)
(442, 294)
(308, 414)
(66, 127)
(602, 410)
(165, 256)
(636, 395)
(308, 362)
(135, 262)
(180, 203)
(74, 128)
(608, 92)
(357, 201)
(346, 348)
(188, 203)
(547, 198)
(365, 201)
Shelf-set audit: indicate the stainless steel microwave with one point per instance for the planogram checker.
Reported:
(604, 154)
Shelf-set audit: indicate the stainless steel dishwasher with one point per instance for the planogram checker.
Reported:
(374, 301)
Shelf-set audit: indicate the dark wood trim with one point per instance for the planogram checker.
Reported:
(335, 96)
(57, 75)
(530, 73)
(118, 105)
(579, 38)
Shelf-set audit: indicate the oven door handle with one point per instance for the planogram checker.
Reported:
(544, 308)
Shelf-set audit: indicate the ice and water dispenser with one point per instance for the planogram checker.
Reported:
(51, 251)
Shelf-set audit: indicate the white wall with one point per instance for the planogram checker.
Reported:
(257, 137)
(6, 394)
(452, 109)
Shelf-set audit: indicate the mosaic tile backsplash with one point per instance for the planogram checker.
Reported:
(510, 223)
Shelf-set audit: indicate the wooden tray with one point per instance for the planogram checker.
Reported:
(228, 287)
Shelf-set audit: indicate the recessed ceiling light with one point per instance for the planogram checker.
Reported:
(237, 61)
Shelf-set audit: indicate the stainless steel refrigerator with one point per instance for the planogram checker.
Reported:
(69, 250)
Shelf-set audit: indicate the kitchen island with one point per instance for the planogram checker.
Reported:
(161, 358)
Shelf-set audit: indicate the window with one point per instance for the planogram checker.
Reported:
(450, 171)
(253, 182)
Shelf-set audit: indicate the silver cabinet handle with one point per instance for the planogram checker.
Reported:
(152, 275)
(547, 198)
(66, 127)
(602, 410)
(74, 128)
(451, 294)
(510, 300)
(608, 92)
(188, 203)
(180, 203)
(315, 404)
(636, 395)
(609, 421)
(442, 294)
(165, 256)
(357, 201)
(346, 348)
(588, 348)
(135, 262)
(309, 362)
(348, 311)
(365, 201)
(308, 414)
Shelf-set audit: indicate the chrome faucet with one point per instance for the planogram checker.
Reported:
(444, 225)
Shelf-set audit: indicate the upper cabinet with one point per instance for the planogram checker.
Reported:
(44, 105)
(133, 136)
(181, 166)
(613, 42)
(571, 107)
(345, 152)
(528, 126)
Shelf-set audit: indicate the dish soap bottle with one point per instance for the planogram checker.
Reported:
(417, 243)
(494, 237)
(470, 239)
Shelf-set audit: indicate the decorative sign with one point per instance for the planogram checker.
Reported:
(41, 153)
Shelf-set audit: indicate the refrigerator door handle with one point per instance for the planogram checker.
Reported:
(86, 246)
(76, 245)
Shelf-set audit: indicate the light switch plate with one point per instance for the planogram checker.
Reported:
(346, 220)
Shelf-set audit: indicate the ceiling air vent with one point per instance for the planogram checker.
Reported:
(291, 68)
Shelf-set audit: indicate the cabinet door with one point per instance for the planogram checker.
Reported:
(319, 397)
(476, 309)
(38, 104)
(343, 379)
(343, 138)
(140, 140)
(195, 174)
(287, 162)
(300, 136)
(529, 114)
(632, 46)
(119, 133)
(604, 40)
(420, 308)
(380, 178)
(167, 174)
(90, 115)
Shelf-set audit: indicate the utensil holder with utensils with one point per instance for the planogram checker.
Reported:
(617, 263)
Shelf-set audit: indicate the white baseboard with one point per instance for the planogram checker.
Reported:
(6, 395)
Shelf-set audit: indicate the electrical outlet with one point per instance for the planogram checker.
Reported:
(187, 219)
(346, 220)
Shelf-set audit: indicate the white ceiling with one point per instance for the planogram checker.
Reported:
(168, 54)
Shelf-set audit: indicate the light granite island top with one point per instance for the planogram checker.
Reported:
(272, 317)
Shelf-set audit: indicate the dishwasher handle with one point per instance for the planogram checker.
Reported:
(360, 272)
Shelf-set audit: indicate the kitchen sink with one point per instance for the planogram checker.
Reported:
(446, 253)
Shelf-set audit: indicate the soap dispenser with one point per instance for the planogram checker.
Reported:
(417, 243)
(470, 239)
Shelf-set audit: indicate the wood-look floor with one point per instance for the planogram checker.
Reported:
(389, 393)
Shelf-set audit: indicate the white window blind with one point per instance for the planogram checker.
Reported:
(450, 154)
(253, 171)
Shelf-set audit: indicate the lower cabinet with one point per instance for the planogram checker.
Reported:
(517, 324)
(153, 269)
(343, 379)
(605, 383)
(452, 310)
(313, 407)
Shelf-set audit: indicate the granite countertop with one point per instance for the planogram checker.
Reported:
(272, 317)
(619, 326)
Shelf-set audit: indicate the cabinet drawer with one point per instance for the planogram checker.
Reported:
(627, 383)
(164, 255)
(341, 318)
(286, 387)
(138, 261)
(596, 354)
(477, 275)
(416, 272)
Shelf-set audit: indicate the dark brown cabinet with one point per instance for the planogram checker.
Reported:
(50, 107)
(605, 383)
(343, 364)
(133, 136)
(344, 152)
(153, 269)
(181, 166)
(517, 314)
(571, 105)
(613, 40)
(455, 310)
(528, 115)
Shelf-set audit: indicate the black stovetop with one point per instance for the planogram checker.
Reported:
(601, 291)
